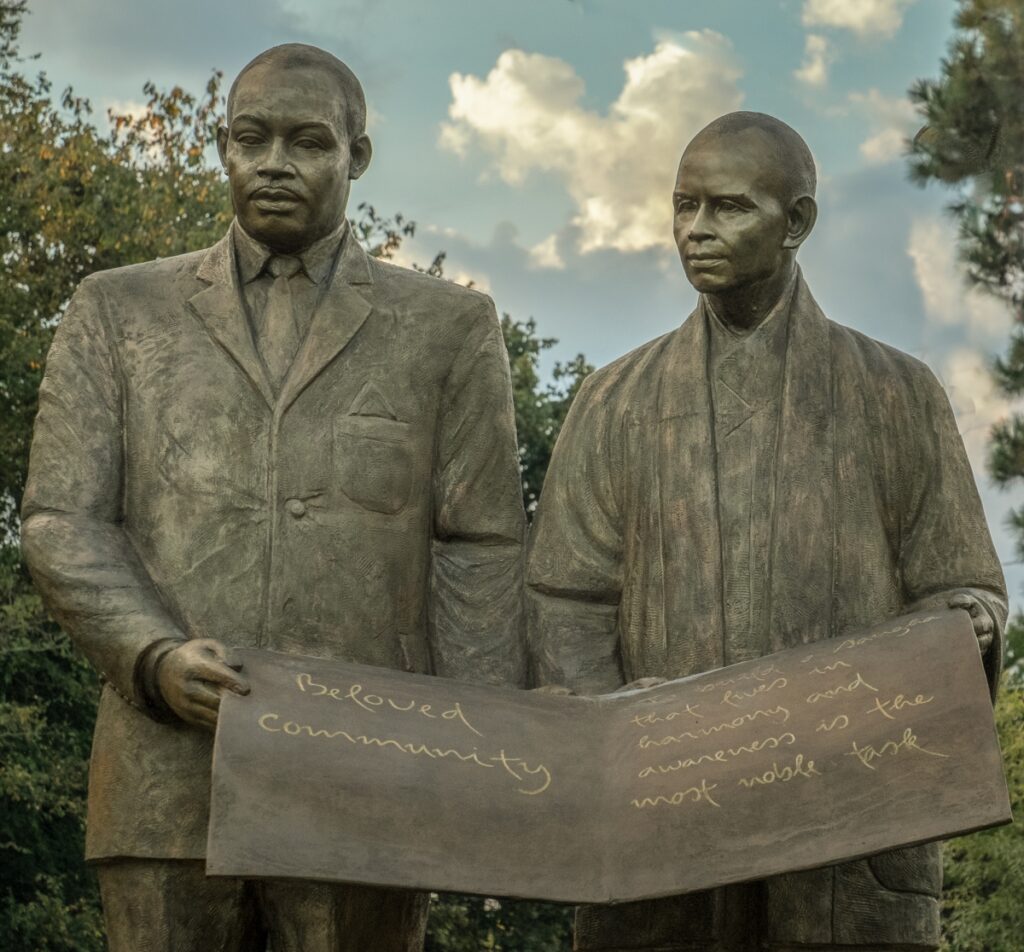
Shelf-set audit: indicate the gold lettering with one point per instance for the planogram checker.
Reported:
(690, 795)
(839, 723)
(887, 708)
(782, 774)
(645, 720)
(829, 667)
(778, 715)
(722, 756)
(832, 693)
(265, 719)
(867, 754)
(734, 697)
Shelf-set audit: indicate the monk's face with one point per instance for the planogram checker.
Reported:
(730, 220)
(288, 155)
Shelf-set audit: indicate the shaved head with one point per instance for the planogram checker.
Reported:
(793, 163)
(303, 56)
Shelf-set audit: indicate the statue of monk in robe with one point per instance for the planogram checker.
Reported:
(758, 478)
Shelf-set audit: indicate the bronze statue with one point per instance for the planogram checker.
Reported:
(276, 442)
(758, 478)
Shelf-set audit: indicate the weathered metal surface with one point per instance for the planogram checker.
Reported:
(810, 756)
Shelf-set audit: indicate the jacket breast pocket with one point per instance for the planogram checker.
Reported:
(373, 461)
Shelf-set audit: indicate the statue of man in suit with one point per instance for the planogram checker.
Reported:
(756, 479)
(276, 442)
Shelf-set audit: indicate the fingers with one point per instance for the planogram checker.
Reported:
(966, 602)
(213, 664)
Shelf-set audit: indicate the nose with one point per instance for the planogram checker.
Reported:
(275, 163)
(700, 229)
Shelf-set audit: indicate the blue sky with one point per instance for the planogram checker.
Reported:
(536, 141)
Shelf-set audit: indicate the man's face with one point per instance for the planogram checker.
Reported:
(288, 156)
(729, 221)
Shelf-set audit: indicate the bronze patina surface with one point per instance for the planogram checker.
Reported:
(342, 772)
(757, 479)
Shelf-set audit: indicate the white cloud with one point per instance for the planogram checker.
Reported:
(617, 166)
(977, 402)
(891, 119)
(864, 17)
(545, 254)
(948, 300)
(817, 56)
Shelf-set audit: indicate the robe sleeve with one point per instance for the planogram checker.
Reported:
(476, 594)
(574, 560)
(945, 543)
(72, 534)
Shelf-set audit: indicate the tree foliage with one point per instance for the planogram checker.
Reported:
(973, 143)
(982, 909)
(77, 196)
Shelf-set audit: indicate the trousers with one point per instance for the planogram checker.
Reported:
(172, 906)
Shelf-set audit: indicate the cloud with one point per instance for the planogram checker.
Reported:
(880, 18)
(545, 254)
(977, 402)
(948, 300)
(817, 56)
(892, 120)
(617, 166)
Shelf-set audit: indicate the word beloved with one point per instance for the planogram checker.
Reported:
(376, 702)
(271, 723)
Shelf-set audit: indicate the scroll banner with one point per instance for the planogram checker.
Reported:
(815, 755)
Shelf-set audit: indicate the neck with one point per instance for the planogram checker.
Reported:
(745, 308)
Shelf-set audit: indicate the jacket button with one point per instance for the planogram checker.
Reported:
(296, 507)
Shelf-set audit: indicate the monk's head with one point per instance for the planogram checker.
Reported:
(294, 140)
(744, 202)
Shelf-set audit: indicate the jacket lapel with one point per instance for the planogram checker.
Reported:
(694, 629)
(803, 544)
(338, 316)
(219, 306)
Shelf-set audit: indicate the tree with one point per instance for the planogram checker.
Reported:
(973, 143)
(75, 199)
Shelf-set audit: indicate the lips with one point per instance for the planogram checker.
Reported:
(274, 195)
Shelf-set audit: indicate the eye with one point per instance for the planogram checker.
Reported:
(248, 138)
(726, 205)
(307, 143)
(685, 205)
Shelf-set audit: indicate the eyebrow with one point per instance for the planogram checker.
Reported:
(311, 124)
(727, 196)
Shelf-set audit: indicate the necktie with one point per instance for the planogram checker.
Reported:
(279, 336)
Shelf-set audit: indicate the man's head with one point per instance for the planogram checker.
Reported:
(295, 138)
(744, 201)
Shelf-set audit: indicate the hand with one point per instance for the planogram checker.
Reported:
(192, 678)
(639, 684)
(984, 630)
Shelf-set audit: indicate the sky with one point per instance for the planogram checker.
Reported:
(536, 143)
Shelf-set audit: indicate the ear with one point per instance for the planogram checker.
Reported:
(222, 146)
(803, 213)
(361, 151)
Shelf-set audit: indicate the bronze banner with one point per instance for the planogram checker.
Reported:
(811, 756)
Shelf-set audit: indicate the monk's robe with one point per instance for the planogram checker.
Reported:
(714, 498)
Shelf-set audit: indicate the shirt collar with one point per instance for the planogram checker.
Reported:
(317, 260)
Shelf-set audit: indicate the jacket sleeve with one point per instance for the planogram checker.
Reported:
(476, 593)
(945, 543)
(72, 533)
(574, 561)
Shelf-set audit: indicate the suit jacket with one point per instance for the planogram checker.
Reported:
(371, 512)
(875, 511)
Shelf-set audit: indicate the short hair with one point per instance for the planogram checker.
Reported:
(794, 157)
(298, 55)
